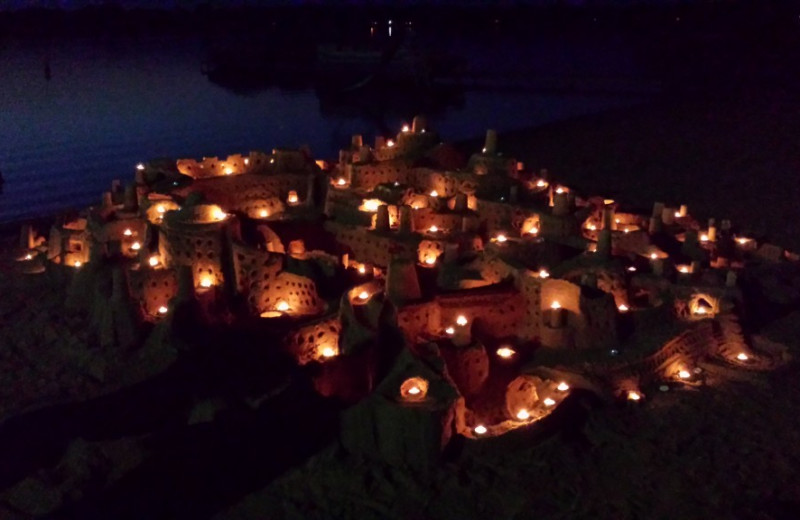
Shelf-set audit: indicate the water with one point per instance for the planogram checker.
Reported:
(110, 103)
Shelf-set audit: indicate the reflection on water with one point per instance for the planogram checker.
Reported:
(77, 114)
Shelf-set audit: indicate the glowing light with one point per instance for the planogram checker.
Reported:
(632, 269)
(160, 208)
(634, 396)
(206, 282)
(461, 320)
(523, 414)
(549, 401)
(703, 238)
(292, 197)
(433, 229)
(282, 306)
(363, 295)
(228, 170)
(741, 356)
(562, 386)
(434, 193)
(430, 260)
(555, 305)
(136, 246)
(140, 166)
(683, 269)
(341, 181)
(591, 227)
(127, 232)
(264, 213)
(390, 143)
(626, 230)
(328, 352)
(701, 310)
(414, 390)
(505, 352)
(678, 214)
(653, 256)
(162, 310)
(480, 429)
(501, 238)
(77, 263)
(405, 128)
(218, 214)
(362, 269)
(450, 331)
(559, 190)
(608, 201)
(246, 161)
(534, 230)
(616, 221)
(29, 257)
(541, 183)
(370, 205)
(622, 307)
(684, 374)
(742, 240)
(153, 261)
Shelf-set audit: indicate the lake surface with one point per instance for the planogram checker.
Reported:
(105, 104)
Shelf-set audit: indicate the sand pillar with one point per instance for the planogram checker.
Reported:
(419, 124)
(490, 144)
(356, 141)
(406, 221)
(560, 204)
(460, 202)
(382, 218)
(402, 283)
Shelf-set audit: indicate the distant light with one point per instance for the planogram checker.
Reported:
(549, 401)
(292, 197)
(127, 232)
(505, 352)
(140, 166)
(282, 306)
(362, 269)
(543, 273)
(480, 429)
(591, 227)
(29, 257)
(684, 374)
(414, 390)
(634, 396)
(218, 214)
(328, 352)
(136, 246)
(206, 282)
(741, 356)
(264, 213)
(228, 170)
(523, 414)
(405, 128)
(434, 193)
(622, 307)
(683, 269)
(541, 183)
(390, 143)
(77, 263)
(562, 386)
(363, 295)
(632, 269)
(677, 214)
(246, 161)
(701, 310)
(555, 305)
(461, 320)
(559, 190)
(430, 260)
(501, 238)
(534, 230)
(341, 181)
(703, 238)
(162, 310)
(433, 229)
(653, 256)
(160, 208)
(450, 331)
(153, 260)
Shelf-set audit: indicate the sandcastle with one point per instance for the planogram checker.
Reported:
(442, 297)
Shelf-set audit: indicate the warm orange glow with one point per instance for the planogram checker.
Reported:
(136, 246)
(450, 331)
(405, 128)
(206, 282)
(389, 143)
(505, 352)
(162, 310)
(555, 305)
(433, 229)
(701, 310)
(430, 260)
(461, 320)
(480, 429)
(328, 352)
(29, 257)
(703, 238)
(263, 213)
(434, 193)
(161, 208)
(534, 230)
(626, 230)
(228, 170)
(362, 269)
(282, 306)
(543, 273)
(541, 183)
(559, 190)
(523, 414)
(246, 161)
(591, 227)
(653, 256)
(608, 201)
(634, 396)
(562, 386)
(501, 238)
(622, 307)
(77, 263)
(678, 214)
(549, 401)
(127, 232)
(741, 356)
(292, 197)
(742, 240)
(414, 389)
(363, 295)
(370, 205)
(683, 269)
(218, 214)
(153, 261)
(684, 374)
(341, 181)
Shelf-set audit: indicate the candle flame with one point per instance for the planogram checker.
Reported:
(634, 396)
(405, 128)
(555, 305)
(206, 282)
(450, 331)
(264, 213)
(622, 307)
(501, 238)
(741, 356)
(390, 143)
(505, 352)
(136, 246)
(543, 273)
(461, 320)
(562, 386)
(282, 306)
(684, 374)
(127, 232)
(480, 429)
(434, 193)
(363, 295)
(328, 352)
(523, 414)
(341, 181)
(153, 260)
(162, 310)
(549, 401)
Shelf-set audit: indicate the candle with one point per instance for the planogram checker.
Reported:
(558, 315)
